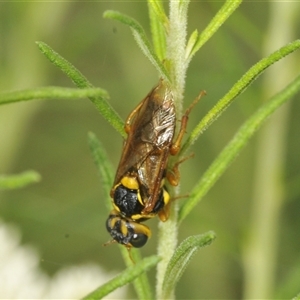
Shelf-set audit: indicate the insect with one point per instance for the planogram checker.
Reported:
(139, 192)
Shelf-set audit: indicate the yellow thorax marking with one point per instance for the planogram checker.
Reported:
(130, 182)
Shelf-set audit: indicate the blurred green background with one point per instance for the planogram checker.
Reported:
(64, 215)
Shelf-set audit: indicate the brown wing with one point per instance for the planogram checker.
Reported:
(150, 135)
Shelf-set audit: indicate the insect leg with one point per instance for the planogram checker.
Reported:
(173, 175)
(164, 213)
(176, 146)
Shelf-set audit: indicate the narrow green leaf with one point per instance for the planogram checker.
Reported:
(80, 81)
(191, 42)
(157, 7)
(50, 93)
(141, 284)
(21, 180)
(103, 165)
(236, 90)
(75, 75)
(181, 258)
(223, 14)
(254, 35)
(125, 277)
(239, 141)
(159, 25)
(141, 39)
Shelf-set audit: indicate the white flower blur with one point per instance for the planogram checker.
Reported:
(21, 277)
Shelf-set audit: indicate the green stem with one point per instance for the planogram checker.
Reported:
(176, 47)
(167, 243)
(176, 44)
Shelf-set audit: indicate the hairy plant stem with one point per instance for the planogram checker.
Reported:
(176, 44)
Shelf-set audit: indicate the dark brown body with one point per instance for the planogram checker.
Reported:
(150, 128)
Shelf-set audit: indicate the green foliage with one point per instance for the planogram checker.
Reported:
(234, 147)
(166, 55)
(181, 258)
(196, 41)
(50, 93)
(237, 89)
(160, 27)
(103, 165)
(80, 81)
(101, 160)
(21, 180)
(141, 39)
(127, 276)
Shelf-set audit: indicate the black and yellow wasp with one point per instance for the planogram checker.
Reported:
(139, 192)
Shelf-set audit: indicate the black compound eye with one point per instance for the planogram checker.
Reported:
(138, 240)
(126, 231)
